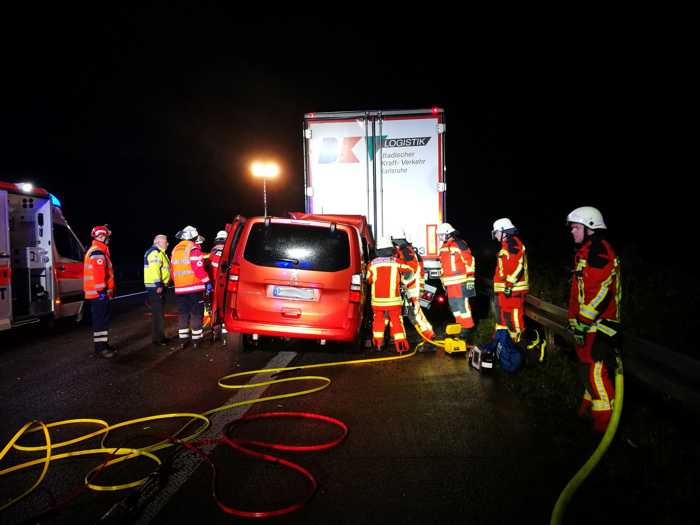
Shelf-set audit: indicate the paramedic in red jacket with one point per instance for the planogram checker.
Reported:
(191, 281)
(510, 279)
(98, 285)
(458, 270)
(594, 310)
(385, 274)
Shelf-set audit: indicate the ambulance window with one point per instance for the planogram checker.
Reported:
(66, 244)
(298, 246)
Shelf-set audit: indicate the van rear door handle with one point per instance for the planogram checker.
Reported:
(294, 313)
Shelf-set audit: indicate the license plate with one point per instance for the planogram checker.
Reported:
(291, 292)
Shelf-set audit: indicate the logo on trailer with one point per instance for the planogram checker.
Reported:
(341, 151)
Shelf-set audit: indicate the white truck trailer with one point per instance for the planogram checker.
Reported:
(386, 165)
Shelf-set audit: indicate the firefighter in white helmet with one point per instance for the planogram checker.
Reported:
(458, 271)
(191, 281)
(594, 311)
(385, 274)
(407, 254)
(218, 327)
(510, 279)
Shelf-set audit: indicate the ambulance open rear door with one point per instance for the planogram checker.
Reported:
(5, 275)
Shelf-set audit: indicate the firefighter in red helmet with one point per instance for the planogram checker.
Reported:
(594, 311)
(385, 274)
(98, 286)
(458, 271)
(510, 279)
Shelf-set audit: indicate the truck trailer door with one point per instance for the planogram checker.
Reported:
(5, 275)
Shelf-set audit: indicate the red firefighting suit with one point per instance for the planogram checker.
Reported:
(458, 268)
(213, 270)
(408, 256)
(385, 274)
(510, 284)
(594, 307)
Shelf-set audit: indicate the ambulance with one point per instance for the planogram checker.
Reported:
(41, 258)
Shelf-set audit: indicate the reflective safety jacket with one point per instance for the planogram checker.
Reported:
(511, 269)
(458, 264)
(98, 275)
(385, 275)
(596, 289)
(156, 268)
(214, 260)
(407, 255)
(188, 268)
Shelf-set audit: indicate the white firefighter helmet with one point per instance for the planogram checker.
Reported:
(398, 233)
(384, 242)
(188, 233)
(589, 216)
(221, 235)
(502, 225)
(444, 229)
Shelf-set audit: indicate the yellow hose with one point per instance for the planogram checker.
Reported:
(585, 470)
(124, 454)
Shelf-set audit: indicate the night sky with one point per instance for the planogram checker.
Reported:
(147, 119)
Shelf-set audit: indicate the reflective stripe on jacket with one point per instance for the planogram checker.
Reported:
(98, 275)
(385, 275)
(156, 268)
(596, 289)
(511, 267)
(188, 268)
(457, 262)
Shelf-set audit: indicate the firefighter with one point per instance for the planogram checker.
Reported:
(384, 274)
(510, 279)
(217, 250)
(594, 311)
(191, 282)
(458, 269)
(98, 285)
(156, 278)
(406, 254)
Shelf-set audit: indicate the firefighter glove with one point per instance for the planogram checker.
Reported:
(159, 290)
(209, 287)
(508, 289)
(580, 330)
(102, 295)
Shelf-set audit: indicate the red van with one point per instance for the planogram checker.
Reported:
(298, 277)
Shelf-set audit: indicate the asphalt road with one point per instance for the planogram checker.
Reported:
(430, 440)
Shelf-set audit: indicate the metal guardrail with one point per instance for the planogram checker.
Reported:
(674, 375)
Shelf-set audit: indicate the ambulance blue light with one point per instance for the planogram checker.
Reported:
(54, 200)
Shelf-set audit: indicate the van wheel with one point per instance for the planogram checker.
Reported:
(247, 343)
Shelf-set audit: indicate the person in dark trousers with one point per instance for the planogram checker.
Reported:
(156, 278)
(191, 282)
(98, 286)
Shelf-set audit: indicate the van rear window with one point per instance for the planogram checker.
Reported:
(298, 246)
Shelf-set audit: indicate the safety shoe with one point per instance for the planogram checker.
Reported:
(105, 354)
(195, 346)
(184, 344)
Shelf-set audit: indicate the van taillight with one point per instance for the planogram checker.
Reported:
(232, 285)
(355, 288)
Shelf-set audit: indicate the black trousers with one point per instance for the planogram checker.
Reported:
(99, 309)
(190, 309)
(157, 304)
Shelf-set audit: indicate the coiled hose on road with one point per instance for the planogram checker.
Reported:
(120, 454)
